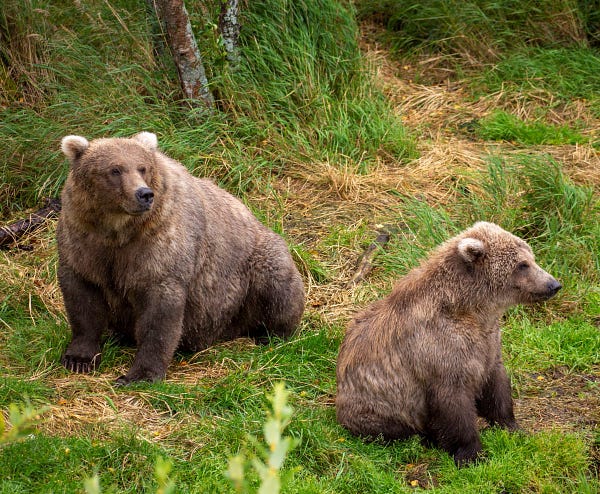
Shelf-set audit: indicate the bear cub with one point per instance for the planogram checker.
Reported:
(427, 358)
(164, 259)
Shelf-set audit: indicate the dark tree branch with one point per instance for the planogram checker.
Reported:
(364, 264)
(15, 231)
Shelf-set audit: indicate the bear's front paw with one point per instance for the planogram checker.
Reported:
(122, 381)
(513, 426)
(465, 456)
(145, 375)
(79, 364)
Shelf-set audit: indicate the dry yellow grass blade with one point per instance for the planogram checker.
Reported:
(91, 403)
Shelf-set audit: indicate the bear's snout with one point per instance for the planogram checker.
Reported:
(145, 196)
(546, 290)
(553, 287)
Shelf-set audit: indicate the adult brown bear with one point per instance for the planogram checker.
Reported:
(427, 359)
(161, 257)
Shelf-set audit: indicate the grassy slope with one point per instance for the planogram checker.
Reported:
(317, 149)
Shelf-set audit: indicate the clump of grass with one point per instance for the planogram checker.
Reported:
(162, 470)
(563, 73)
(534, 347)
(502, 126)
(13, 388)
(421, 227)
(308, 83)
(24, 74)
(477, 31)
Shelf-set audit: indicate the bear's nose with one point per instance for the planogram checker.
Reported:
(553, 287)
(144, 195)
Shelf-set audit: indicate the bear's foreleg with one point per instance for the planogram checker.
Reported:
(452, 423)
(87, 312)
(495, 403)
(159, 315)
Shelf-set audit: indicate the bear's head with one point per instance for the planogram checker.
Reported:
(118, 175)
(504, 266)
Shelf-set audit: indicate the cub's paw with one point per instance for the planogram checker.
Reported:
(513, 426)
(122, 381)
(79, 364)
(467, 455)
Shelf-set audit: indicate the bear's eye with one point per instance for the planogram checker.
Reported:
(523, 266)
(142, 170)
(115, 172)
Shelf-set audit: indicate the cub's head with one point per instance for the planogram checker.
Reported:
(504, 265)
(118, 174)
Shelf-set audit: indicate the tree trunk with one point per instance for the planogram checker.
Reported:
(229, 27)
(174, 16)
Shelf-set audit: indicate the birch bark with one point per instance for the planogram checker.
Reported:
(183, 46)
(229, 27)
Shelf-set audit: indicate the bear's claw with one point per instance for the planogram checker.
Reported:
(80, 365)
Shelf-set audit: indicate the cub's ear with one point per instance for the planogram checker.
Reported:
(471, 249)
(147, 139)
(74, 146)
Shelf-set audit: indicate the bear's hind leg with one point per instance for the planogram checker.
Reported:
(371, 426)
(275, 302)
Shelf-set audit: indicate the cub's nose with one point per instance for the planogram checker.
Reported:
(553, 287)
(145, 196)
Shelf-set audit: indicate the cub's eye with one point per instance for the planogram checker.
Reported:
(142, 170)
(523, 266)
(115, 172)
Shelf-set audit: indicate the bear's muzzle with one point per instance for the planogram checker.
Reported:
(145, 197)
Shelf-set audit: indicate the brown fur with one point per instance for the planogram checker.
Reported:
(165, 259)
(427, 358)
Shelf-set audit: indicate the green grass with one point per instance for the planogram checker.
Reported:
(479, 30)
(565, 73)
(502, 126)
(14, 389)
(302, 100)
(573, 344)
(545, 52)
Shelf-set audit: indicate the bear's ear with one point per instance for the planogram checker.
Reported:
(471, 249)
(147, 139)
(74, 146)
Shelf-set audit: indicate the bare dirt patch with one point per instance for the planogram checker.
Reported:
(560, 400)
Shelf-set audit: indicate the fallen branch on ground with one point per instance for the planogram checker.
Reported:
(364, 264)
(15, 231)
